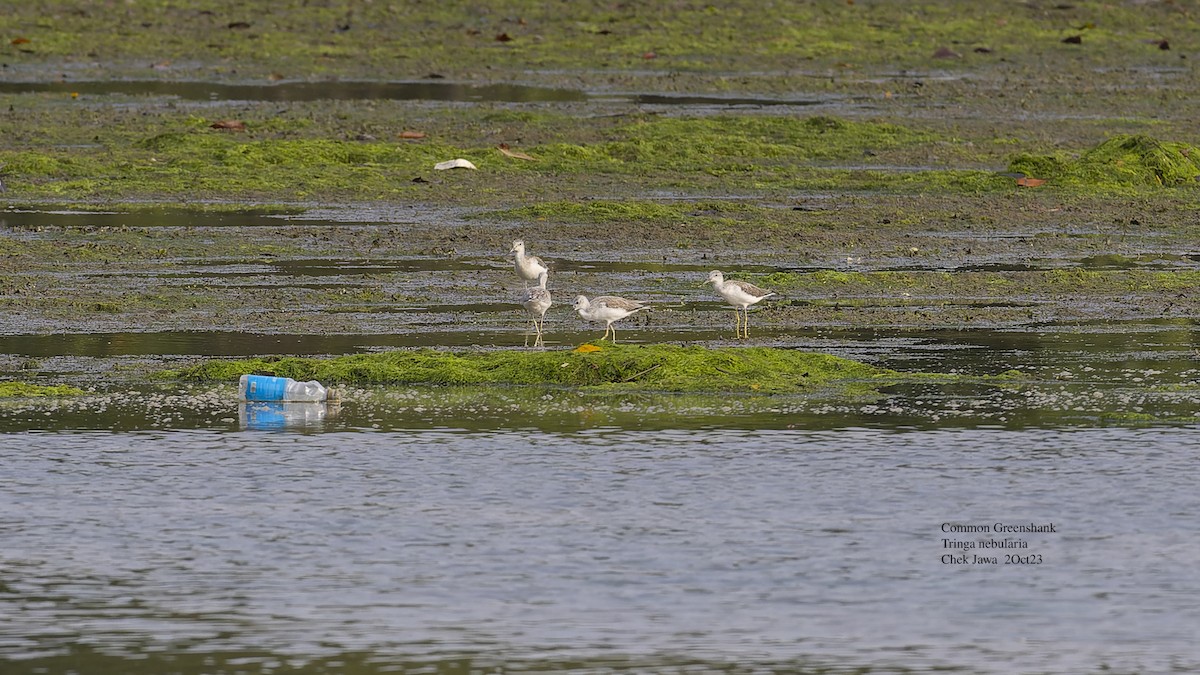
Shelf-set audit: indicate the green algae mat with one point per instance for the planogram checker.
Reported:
(619, 367)
(28, 390)
(280, 158)
(1124, 161)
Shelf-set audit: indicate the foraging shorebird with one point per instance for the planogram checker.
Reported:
(740, 294)
(536, 301)
(529, 267)
(606, 308)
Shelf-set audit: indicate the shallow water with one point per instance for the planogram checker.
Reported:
(656, 547)
(399, 91)
(301, 91)
(168, 528)
(26, 219)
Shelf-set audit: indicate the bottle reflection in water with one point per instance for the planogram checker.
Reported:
(267, 415)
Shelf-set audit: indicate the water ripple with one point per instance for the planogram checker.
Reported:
(751, 545)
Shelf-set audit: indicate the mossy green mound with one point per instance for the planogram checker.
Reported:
(643, 367)
(1120, 162)
(725, 144)
(291, 158)
(26, 390)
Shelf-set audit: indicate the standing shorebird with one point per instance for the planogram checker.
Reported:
(536, 301)
(607, 308)
(739, 294)
(529, 267)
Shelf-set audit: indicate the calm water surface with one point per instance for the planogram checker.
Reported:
(789, 549)
(383, 91)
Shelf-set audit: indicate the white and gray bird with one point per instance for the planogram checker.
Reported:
(740, 294)
(529, 267)
(536, 301)
(607, 308)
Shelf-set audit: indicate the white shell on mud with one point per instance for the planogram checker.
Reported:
(454, 164)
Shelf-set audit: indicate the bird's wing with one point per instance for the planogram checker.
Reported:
(751, 288)
(618, 303)
(536, 293)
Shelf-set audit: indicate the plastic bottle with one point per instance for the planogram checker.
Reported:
(268, 388)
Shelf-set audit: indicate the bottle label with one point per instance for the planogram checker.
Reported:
(265, 388)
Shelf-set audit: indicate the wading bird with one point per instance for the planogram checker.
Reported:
(529, 267)
(740, 294)
(607, 308)
(536, 301)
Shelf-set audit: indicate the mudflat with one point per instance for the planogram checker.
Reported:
(935, 164)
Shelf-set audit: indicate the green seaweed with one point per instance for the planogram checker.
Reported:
(295, 158)
(298, 157)
(458, 38)
(1128, 418)
(723, 145)
(618, 367)
(1119, 163)
(27, 390)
